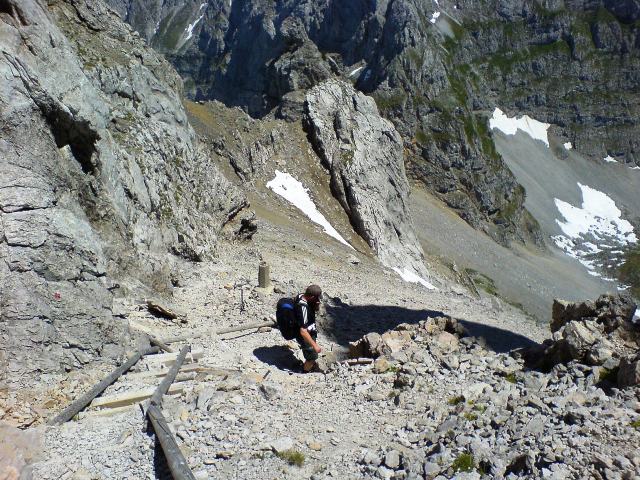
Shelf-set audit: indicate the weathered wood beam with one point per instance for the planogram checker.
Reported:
(76, 406)
(156, 398)
(170, 358)
(177, 463)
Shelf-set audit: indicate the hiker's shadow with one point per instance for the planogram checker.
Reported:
(280, 356)
(346, 323)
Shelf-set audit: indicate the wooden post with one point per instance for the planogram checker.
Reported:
(177, 463)
(264, 279)
(97, 389)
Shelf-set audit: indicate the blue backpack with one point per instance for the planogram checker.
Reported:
(286, 318)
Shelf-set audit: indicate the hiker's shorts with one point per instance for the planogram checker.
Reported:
(307, 350)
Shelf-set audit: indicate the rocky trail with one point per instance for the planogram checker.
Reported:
(433, 404)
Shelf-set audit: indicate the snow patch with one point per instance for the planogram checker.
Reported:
(410, 276)
(434, 17)
(610, 159)
(636, 316)
(535, 129)
(294, 192)
(596, 226)
(568, 146)
(354, 71)
(191, 26)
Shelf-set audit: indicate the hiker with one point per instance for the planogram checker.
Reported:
(296, 318)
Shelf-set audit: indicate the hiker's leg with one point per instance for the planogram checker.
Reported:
(310, 355)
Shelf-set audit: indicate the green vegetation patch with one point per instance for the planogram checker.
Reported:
(390, 101)
(292, 457)
(511, 377)
(456, 400)
(636, 424)
(463, 463)
(482, 281)
(606, 375)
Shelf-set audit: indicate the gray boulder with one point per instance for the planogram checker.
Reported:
(364, 155)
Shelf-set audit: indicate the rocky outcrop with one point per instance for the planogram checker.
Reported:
(363, 153)
(102, 179)
(599, 333)
(485, 414)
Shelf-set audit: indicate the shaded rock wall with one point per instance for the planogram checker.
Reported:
(102, 178)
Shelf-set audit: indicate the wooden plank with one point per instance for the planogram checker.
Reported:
(79, 404)
(156, 398)
(129, 398)
(170, 358)
(177, 463)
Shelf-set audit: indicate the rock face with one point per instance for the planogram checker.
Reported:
(102, 178)
(363, 152)
(599, 333)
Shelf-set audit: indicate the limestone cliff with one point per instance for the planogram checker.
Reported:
(363, 152)
(436, 69)
(103, 183)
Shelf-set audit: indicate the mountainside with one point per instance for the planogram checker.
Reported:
(358, 145)
(102, 178)
(436, 69)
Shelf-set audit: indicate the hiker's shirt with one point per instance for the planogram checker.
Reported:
(306, 315)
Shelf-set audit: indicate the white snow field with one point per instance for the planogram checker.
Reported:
(591, 228)
(295, 193)
(510, 125)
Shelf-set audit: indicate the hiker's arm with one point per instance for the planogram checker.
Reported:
(304, 333)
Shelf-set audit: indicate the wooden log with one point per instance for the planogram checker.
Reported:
(129, 398)
(163, 311)
(245, 327)
(156, 398)
(76, 406)
(220, 332)
(176, 461)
